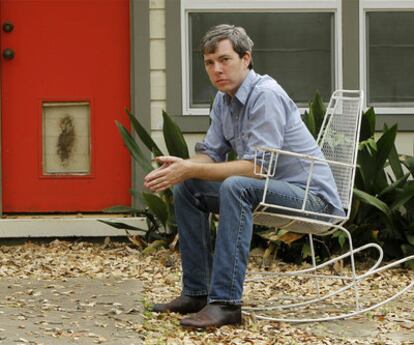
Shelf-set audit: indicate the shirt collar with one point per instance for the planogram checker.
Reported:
(244, 89)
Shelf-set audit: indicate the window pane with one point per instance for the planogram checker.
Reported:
(296, 49)
(390, 58)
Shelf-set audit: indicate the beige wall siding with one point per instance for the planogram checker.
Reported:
(157, 66)
(158, 69)
(192, 139)
(405, 143)
(157, 53)
(158, 76)
(157, 4)
(156, 114)
(158, 86)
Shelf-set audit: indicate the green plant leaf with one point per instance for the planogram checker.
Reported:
(369, 144)
(121, 226)
(408, 250)
(340, 236)
(394, 185)
(395, 163)
(144, 136)
(133, 148)
(157, 206)
(367, 125)
(314, 118)
(231, 156)
(367, 166)
(318, 109)
(384, 146)
(309, 121)
(410, 239)
(394, 160)
(373, 201)
(405, 196)
(174, 138)
(408, 161)
(306, 251)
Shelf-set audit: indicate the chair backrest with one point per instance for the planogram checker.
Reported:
(338, 139)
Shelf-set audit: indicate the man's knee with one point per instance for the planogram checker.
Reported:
(234, 184)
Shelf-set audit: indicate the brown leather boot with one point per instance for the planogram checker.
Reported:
(214, 315)
(182, 304)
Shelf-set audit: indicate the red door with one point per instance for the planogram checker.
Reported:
(64, 81)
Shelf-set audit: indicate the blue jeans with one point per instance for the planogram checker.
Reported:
(221, 276)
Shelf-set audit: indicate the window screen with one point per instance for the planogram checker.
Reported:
(390, 58)
(296, 49)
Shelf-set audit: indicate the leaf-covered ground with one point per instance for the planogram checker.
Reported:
(161, 275)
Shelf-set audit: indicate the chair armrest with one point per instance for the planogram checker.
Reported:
(261, 151)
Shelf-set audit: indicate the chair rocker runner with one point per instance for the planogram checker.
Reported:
(338, 140)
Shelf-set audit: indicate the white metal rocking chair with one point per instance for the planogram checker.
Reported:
(338, 140)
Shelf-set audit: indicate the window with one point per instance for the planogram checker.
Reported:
(296, 42)
(387, 61)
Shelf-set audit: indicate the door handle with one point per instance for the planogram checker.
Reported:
(8, 27)
(8, 54)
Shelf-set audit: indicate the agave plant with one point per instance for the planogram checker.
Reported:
(160, 208)
(314, 118)
(384, 193)
(383, 205)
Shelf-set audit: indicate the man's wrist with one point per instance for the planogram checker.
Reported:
(190, 169)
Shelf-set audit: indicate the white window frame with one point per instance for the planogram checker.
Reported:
(300, 6)
(366, 6)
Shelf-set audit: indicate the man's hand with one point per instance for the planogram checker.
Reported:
(175, 170)
(172, 171)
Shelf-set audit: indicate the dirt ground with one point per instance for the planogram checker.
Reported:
(62, 275)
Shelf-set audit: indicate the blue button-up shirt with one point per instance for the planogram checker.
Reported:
(262, 114)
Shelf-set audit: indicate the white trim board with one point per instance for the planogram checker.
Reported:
(65, 226)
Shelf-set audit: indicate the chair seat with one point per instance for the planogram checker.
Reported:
(290, 223)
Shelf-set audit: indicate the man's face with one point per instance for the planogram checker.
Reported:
(225, 68)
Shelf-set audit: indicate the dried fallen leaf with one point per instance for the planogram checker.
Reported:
(137, 241)
(160, 271)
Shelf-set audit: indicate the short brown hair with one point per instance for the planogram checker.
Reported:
(238, 37)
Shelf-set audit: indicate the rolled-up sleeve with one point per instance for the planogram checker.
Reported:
(214, 144)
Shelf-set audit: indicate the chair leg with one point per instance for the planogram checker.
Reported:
(353, 279)
(354, 276)
(314, 264)
(369, 273)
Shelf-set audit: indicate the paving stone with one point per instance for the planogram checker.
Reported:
(345, 329)
(74, 311)
(402, 336)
